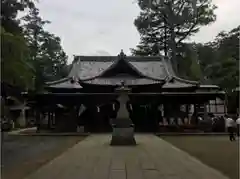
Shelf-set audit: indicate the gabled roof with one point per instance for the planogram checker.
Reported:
(121, 66)
(157, 67)
(104, 70)
(88, 67)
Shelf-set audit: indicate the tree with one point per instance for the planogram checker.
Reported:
(46, 53)
(9, 12)
(188, 62)
(167, 23)
(219, 59)
(15, 69)
(228, 44)
(53, 57)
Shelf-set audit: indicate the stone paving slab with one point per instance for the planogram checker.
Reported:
(152, 158)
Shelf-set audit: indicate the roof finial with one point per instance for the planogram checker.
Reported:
(122, 55)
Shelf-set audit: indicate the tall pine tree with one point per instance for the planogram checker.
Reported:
(167, 23)
(47, 55)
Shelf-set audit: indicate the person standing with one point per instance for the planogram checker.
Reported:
(238, 126)
(230, 124)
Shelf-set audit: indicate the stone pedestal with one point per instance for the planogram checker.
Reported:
(123, 136)
(123, 128)
(21, 120)
(80, 129)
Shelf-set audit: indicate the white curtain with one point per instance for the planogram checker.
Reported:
(81, 110)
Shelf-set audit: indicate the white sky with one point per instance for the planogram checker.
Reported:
(105, 27)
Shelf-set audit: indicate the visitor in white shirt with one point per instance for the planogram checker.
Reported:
(230, 124)
(238, 126)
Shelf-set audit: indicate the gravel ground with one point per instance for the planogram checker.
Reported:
(21, 155)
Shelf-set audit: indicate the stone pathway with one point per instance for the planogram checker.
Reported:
(152, 158)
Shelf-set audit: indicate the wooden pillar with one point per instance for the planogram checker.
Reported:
(38, 120)
(225, 103)
(205, 111)
(21, 120)
(216, 111)
(49, 119)
(53, 119)
(187, 111)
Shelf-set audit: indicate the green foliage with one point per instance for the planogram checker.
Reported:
(47, 55)
(14, 67)
(30, 55)
(219, 59)
(179, 19)
(9, 12)
(188, 63)
(164, 25)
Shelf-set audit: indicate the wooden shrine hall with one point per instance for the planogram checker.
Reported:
(86, 98)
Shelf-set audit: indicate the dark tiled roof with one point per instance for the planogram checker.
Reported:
(90, 67)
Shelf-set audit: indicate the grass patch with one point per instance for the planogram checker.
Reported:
(215, 151)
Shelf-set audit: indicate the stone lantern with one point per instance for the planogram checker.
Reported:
(123, 128)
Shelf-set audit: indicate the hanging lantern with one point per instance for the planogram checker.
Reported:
(113, 106)
(98, 109)
(130, 105)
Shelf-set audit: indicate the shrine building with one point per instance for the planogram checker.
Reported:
(158, 96)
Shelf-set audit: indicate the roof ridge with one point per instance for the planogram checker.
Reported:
(75, 64)
(96, 58)
(170, 76)
(113, 58)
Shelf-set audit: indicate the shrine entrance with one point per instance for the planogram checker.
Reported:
(144, 118)
(98, 120)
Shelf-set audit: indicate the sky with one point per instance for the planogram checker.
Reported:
(105, 27)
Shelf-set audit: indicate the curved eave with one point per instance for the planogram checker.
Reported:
(211, 87)
(67, 84)
(178, 86)
(176, 83)
(128, 82)
(64, 88)
(186, 81)
(58, 81)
